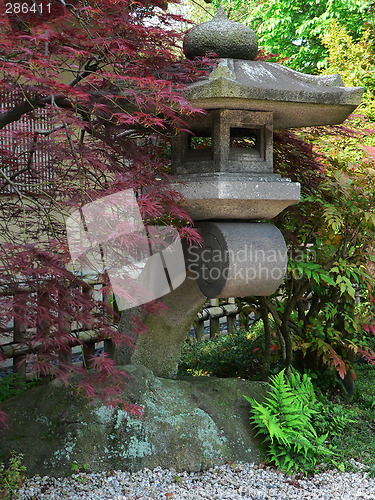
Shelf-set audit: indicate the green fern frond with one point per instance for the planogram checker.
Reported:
(284, 419)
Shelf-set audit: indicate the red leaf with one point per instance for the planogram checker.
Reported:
(339, 363)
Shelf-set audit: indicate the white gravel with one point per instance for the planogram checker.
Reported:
(232, 482)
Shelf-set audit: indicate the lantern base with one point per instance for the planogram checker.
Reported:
(235, 196)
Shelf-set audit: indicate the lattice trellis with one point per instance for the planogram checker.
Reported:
(24, 156)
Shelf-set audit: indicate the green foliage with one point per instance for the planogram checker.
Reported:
(329, 235)
(285, 419)
(12, 476)
(292, 29)
(351, 425)
(332, 418)
(231, 355)
(14, 384)
(352, 58)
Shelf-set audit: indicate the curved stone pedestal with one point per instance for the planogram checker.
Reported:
(237, 259)
(159, 349)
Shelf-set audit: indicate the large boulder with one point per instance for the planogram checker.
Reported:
(188, 424)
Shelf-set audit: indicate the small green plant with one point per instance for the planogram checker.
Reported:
(285, 420)
(371, 472)
(332, 418)
(76, 469)
(12, 476)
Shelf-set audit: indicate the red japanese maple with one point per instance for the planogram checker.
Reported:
(90, 95)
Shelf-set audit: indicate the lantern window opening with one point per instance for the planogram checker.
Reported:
(200, 142)
(246, 141)
(200, 146)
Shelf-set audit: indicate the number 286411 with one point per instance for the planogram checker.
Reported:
(24, 8)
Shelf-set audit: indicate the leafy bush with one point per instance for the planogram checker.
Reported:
(285, 419)
(12, 476)
(232, 355)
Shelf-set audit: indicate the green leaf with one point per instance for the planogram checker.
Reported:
(327, 279)
(316, 277)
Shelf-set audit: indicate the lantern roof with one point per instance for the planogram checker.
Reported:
(238, 82)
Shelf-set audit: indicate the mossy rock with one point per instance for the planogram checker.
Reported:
(191, 424)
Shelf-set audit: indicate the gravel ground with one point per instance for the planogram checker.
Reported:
(232, 482)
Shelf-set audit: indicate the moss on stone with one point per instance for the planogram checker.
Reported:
(189, 424)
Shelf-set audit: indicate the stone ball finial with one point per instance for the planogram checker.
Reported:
(224, 37)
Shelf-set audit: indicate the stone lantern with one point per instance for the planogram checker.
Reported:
(224, 171)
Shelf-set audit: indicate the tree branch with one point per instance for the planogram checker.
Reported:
(24, 107)
(28, 105)
(267, 338)
(91, 66)
(277, 321)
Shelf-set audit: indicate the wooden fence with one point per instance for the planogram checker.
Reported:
(208, 324)
(211, 321)
(80, 335)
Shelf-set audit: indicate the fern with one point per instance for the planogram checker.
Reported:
(285, 421)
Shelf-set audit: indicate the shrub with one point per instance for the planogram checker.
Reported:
(232, 355)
